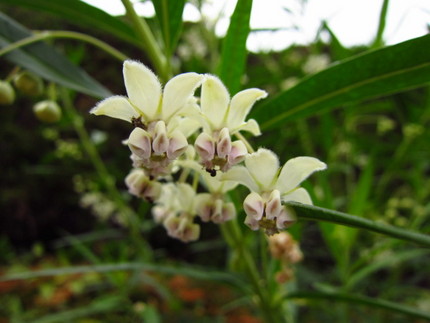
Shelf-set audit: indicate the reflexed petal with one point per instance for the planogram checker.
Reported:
(295, 171)
(185, 125)
(186, 196)
(251, 126)
(241, 175)
(241, 104)
(214, 101)
(177, 93)
(139, 143)
(299, 195)
(143, 87)
(263, 165)
(116, 107)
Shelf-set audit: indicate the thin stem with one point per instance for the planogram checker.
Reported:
(150, 44)
(64, 34)
(233, 235)
(245, 141)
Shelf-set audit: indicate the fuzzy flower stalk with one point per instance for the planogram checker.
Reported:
(175, 134)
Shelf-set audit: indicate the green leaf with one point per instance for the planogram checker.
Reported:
(169, 16)
(371, 74)
(45, 61)
(81, 13)
(233, 55)
(362, 300)
(311, 212)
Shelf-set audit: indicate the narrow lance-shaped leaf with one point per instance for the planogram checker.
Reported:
(76, 11)
(233, 55)
(45, 61)
(311, 212)
(169, 16)
(369, 75)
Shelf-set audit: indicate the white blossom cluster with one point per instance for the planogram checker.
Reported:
(177, 136)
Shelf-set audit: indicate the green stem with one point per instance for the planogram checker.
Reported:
(63, 34)
(379, 40)
(150, 44)
(233, 236)
(311, 212)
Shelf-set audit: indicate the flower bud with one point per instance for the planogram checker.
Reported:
(28, 83)
(47, 111)
(7, 93)
(141, 186)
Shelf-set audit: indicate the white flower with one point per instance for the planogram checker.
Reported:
(146, 101)
(222, 118)
(161, 130)
(271, 185)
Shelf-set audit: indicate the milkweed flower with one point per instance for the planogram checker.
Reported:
(270, 186)
(222, 118)
(160, 133)
(175, 209)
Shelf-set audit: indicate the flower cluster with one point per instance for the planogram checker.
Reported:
(176, 135)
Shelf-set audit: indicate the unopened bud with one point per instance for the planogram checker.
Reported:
(28, 83)
(7, 93)
(47, 111)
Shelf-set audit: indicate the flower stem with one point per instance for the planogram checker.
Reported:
(233, 236)
(148, 41)
(63, 34)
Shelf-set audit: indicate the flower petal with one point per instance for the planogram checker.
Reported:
(139, 143)
(295, 171)
(298, 195)
(214, 101)
(143, 88)
(241, 175)
(263, 165)
(241, 104)
(177, 92)
(116, 107)
(251, 126)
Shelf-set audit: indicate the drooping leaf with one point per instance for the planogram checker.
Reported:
(45, 61)
(76, 11)
(169, 16)
(371, 74)
(310, 212)
(233, 55)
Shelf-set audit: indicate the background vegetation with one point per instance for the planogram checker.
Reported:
(76, 247)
